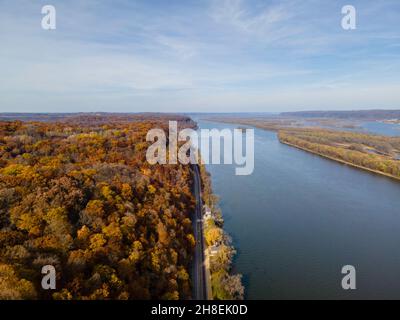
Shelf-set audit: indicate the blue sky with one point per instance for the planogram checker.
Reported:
(199, 56)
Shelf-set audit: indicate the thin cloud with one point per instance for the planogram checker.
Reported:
(203, 56)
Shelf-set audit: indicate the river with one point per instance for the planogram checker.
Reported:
(299, 218)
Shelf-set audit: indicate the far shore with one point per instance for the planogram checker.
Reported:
(276, 129)
(341, 161)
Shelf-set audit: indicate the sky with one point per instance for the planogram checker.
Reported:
(199, 56)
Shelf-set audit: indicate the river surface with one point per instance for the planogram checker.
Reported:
(299, 218)
(387, 129)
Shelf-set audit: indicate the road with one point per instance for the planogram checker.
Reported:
(199, 282)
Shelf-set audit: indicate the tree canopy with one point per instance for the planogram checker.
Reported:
(80, 195)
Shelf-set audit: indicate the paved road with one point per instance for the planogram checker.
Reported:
(199, 284)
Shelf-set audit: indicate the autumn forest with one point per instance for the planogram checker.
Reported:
(77, 193)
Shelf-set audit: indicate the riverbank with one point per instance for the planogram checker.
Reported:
(299, 218)
(339, 160)
(373, 153)
(219, 251)
(370, 152)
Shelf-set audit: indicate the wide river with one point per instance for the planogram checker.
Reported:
(299, 218)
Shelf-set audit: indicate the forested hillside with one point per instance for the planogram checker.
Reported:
(80, 195)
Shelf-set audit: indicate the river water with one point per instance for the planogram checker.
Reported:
(299, 218)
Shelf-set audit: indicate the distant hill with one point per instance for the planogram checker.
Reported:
(93, 117)
(354, 114)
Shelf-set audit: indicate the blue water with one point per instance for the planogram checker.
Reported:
(387, 129)
(299, 218)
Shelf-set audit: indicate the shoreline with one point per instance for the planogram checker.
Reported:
(223, 246)
(276, 130)
(340, 161)
(219, 252)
